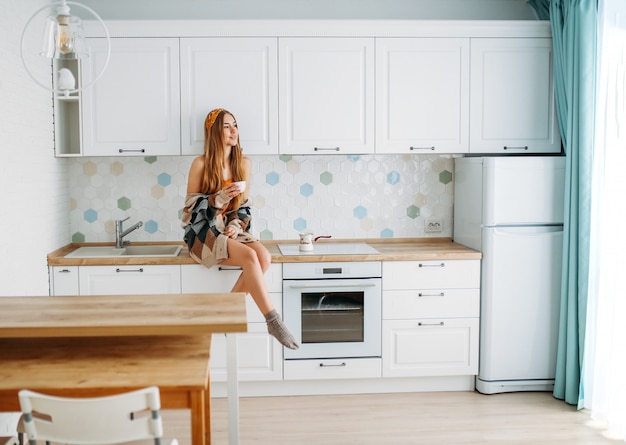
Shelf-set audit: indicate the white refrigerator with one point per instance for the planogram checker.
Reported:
(511, 209)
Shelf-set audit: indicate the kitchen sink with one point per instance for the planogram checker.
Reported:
(127, 251)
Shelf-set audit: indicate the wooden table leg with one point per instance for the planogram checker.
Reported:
(207, 413)
(233, 389)
(200, 429)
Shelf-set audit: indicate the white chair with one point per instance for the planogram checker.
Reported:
(132, 416)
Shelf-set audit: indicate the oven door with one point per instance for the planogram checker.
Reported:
(338, 318)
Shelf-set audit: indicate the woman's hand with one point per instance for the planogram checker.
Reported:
(230, 232)
(231, 190)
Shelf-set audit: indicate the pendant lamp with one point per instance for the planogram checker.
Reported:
(53, 37)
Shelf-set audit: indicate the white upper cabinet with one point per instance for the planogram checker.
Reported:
(238, 74)
(326, 95)
(134, 109)
(512, 97)
(422, 95)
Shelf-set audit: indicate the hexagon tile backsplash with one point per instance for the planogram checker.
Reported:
(349, 197)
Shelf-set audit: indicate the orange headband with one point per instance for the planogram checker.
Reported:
(210, 119)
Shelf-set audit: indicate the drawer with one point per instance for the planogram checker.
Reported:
(197, 278)
(431, 274)
(414, 348)
(431, 303)
(354, 368)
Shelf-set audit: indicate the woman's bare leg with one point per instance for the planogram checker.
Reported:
(251, 279)
(265, 260)
(250, 259)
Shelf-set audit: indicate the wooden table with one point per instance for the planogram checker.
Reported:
(95, 345)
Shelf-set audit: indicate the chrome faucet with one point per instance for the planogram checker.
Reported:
(120, 233)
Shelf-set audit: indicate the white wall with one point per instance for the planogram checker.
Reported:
(34, 195)
(314, 9)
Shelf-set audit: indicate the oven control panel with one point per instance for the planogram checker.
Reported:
(314, 271)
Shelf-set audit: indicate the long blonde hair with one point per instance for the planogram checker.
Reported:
(212, 179)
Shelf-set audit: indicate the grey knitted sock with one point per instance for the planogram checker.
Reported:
(277, 328)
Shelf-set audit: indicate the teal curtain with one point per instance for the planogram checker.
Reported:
(574, 24)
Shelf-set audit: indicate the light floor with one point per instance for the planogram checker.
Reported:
(447, 418)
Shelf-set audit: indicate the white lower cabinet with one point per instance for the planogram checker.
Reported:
(431, 313)
(430, 323)
(139, 279)
(63, 280)
(430, 347)
(259, 355)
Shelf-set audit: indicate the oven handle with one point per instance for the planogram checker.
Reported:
(321, 286)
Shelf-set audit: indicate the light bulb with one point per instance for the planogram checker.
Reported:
(64, 39)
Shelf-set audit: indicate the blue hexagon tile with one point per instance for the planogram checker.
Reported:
(354, 196)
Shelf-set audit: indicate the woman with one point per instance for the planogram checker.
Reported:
(216, 216)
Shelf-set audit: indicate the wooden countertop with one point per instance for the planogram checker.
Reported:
(405, 249)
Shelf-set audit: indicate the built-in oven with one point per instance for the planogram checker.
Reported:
(333, 309)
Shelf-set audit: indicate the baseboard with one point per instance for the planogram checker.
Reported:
(345, 386)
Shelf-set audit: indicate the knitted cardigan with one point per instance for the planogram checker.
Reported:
(204, 223)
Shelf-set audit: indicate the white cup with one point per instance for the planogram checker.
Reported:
(241, 185)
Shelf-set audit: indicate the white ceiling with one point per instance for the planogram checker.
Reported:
(308, 9)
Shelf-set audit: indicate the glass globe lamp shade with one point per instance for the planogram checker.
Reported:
(63, 40)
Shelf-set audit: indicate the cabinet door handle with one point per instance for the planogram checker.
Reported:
(333, 365)
(326, 148)
(421, 148)
(432, 265)
(64, 271)
(132, 150)
(521, 147)
(118, 270)
(440, 294)
(222, 268)
(430, 324)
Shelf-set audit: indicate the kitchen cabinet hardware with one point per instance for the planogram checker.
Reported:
(524, 147)
(421, 148)
(64, 271)
(132, 150)
(222, 268)
(326, 148)
(437, 294)
(118, 270)
(432, 265)
(421, 323)
(333, 365)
